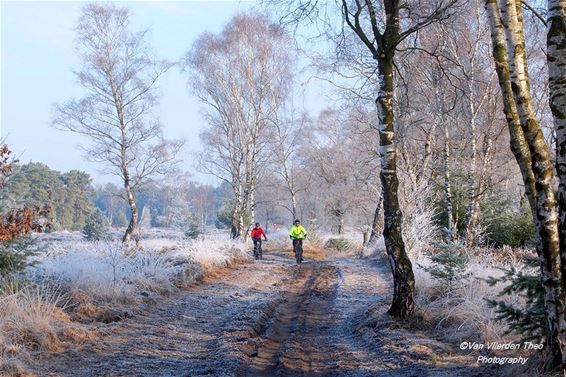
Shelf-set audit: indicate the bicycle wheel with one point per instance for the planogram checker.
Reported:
(298, 253)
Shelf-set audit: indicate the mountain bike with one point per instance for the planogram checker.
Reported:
(257, 250)
(298, 249)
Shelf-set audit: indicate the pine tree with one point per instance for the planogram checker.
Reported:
(194, 228)
(529, 320)
(95, 228)
(15, 255)
(449, 265)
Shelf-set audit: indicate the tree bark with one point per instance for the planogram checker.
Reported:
(517, 141)
(374, 225)
(341, 223)
(447, 183)
(401, 267)
(134, 212)
(383, 46)
(237, 213)
(510, 22)
(469, 220)
(556, 43)
(364, 238)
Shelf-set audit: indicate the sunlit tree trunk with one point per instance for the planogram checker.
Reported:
(471, 179)
(447, 177)
(507, 34)
(427, 154)
(237, 211)
(374, 226)
(401, 267)
(518, 143)
(383, 49)
(133, 224)
(252, 186)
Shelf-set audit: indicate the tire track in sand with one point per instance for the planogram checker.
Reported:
(290, 343)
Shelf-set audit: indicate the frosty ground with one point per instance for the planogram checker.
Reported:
(269, 318)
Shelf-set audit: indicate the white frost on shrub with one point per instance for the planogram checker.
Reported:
(111, 270)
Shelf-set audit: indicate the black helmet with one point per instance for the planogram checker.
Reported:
(256, 224)
(297, 221)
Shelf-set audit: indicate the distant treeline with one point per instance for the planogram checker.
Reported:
(74, 197)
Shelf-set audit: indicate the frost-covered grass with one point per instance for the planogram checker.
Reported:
(33, 320)
(83, 281)
(461, 310)
(111, 271)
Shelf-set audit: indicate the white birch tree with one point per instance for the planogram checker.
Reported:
(506, 22)
(242, 77)
(119, 76)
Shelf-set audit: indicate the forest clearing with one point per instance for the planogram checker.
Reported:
(165, 167)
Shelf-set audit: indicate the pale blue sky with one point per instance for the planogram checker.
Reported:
(37, 59)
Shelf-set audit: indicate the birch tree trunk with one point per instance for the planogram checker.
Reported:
(518, 143)
(471, 179)
(427, 154)
(556, 49)
(507, 19)
(132, 225)
(447, 185)
(237, 212)
(252, 185)
(286, 143)
(294, 203)
(374, 225)
(482, 186)
(401, 267)
(382, 47)
(445, 157)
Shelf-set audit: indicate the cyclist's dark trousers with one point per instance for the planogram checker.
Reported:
(256, 241)
(297, 242)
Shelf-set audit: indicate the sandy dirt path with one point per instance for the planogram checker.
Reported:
(268, 318)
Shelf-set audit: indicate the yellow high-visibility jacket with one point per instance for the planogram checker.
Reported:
(298, 232)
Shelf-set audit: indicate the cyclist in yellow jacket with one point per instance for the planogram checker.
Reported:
(298, 234)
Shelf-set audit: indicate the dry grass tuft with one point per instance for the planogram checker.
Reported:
(77, 335)
(313, 251)
(33, 320)
(12, 367)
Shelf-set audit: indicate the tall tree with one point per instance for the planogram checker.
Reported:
(119, 76)
(242, 77)
(378, 26)
(285, 139)
(507, 32)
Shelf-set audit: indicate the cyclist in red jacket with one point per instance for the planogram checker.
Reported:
(256, 234)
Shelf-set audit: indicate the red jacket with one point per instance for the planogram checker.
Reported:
(257, 232)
